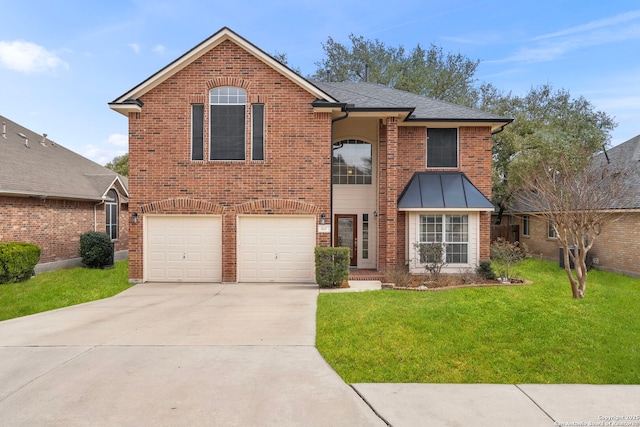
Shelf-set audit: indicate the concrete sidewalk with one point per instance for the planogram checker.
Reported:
(236, 355)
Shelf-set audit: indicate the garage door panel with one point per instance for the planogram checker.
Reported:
(183, 248)
(276, 248)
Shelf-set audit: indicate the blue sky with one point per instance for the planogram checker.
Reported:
(62, 61)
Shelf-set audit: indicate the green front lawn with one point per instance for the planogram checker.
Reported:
(48, 291)
(527, 334)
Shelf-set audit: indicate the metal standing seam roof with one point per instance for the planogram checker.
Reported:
(442, 191)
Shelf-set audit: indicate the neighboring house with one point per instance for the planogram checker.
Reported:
(50, 195)
(239, 167)
(617, 249)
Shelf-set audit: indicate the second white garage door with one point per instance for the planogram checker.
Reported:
(276, 248)
(183, 248)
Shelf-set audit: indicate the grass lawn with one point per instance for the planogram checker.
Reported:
(48, 291)
(527, 334)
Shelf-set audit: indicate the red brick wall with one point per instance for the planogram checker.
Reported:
(474, 160)
(297, 161)
(617, 248)
(55, 225)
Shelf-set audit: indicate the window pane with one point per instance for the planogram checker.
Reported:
(257, 115)
(227, 132)
(442, 148)
(197, 132)
(352, 162)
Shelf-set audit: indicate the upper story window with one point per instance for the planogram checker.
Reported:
(227, 117)
(111, 212)
(351, 163)
(442, 148)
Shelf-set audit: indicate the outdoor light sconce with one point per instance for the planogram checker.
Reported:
(322, 218)
(134, 217)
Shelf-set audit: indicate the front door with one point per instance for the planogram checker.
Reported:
(346, 234)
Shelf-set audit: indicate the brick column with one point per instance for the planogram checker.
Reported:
(388, 219)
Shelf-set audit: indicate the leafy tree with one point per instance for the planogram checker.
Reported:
(547, 123)
(119, 164)
(282, 58)
(431, 72)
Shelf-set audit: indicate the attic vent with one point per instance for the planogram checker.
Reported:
(26, 140)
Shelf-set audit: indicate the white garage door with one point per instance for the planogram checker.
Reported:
(183, 248)
(276, 249)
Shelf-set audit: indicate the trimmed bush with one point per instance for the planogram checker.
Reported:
(332, 266)
(96, 249)
(485, 270)
(17, 261)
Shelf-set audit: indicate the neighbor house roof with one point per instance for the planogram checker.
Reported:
(360, 96)
(442, 191)
(626, 158)
(33, 165)
(623, 158)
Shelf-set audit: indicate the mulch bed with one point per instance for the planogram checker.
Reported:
(423, 283)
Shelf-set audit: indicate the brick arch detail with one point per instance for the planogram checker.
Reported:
(182, 206)
(277, 206)
(228, 81)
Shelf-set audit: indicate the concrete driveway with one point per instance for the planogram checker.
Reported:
(176, 354)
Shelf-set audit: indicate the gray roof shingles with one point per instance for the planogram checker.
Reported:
(48, 170)
(626, 158)
(374, 96)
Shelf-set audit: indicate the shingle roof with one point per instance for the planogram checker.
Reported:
(625, 157)
(49, 170)
(373, 96)
(442, 190)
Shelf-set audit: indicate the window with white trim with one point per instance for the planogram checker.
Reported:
(352, 162)
(111, 212)
(551, 232)
(227, 123)
(450, 230)
(525, 225)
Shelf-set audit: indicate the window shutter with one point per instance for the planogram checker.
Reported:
(197, 132)
(257, 115)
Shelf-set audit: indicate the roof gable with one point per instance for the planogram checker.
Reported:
(33, 165)
(128, 102)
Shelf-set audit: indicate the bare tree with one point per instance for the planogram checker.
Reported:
(578, 202)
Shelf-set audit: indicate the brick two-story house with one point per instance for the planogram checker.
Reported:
(239, 167)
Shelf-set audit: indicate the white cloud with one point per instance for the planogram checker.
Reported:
(135, 47)
(101, 155)
(159, 49)
(601, 23)
(118, 139)
(551, 46)
(29, 57)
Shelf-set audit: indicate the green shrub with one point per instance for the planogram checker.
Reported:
(485, 270)
(332, 266)
(506, 254)
(17, 261)
(96, 249)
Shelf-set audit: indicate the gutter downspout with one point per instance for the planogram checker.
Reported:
(333, 121)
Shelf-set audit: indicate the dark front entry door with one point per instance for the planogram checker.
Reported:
(346, 234)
